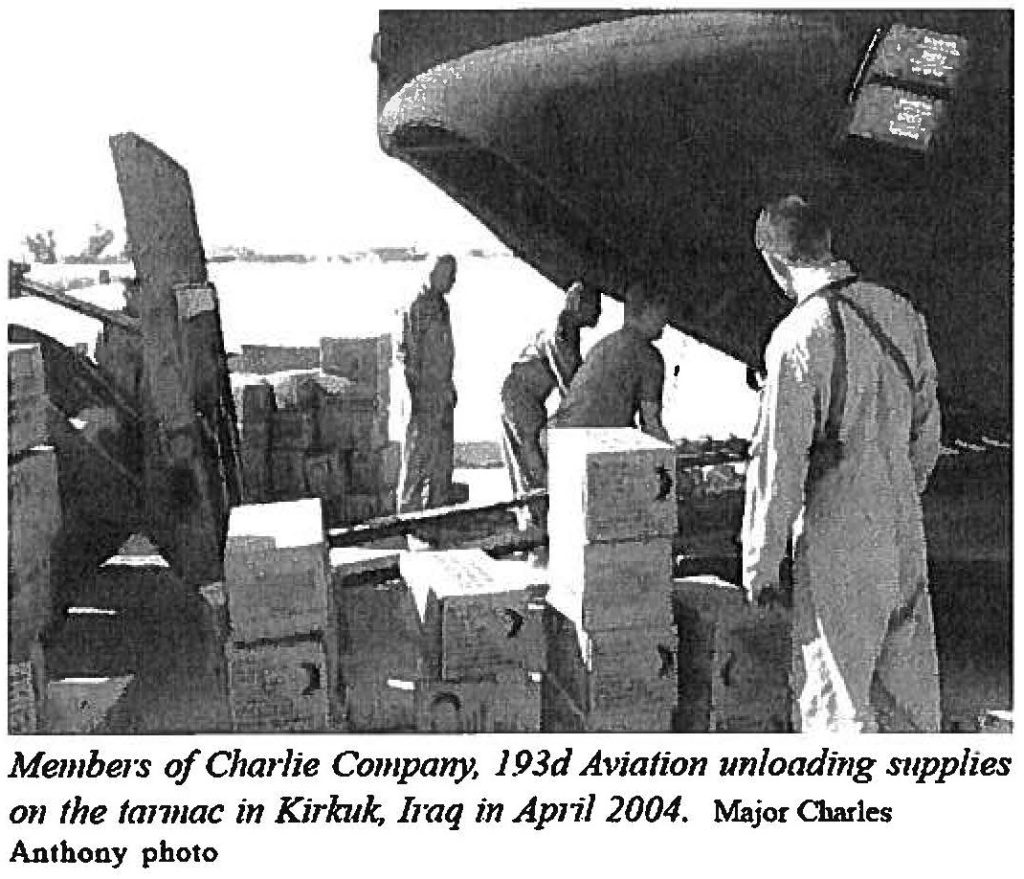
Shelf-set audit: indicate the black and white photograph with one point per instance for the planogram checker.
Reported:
(419, 373)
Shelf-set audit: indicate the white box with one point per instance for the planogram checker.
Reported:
(366, 362)
(379, 631)
(279, 686)
(510, 705)
(380, 705)
(479, 617)
(85, 705)
(613, 672)
(612, 585)
(276, 570)
(735, 659)
(33, 504)
(609, 484)
(25, 683)
(26, 398)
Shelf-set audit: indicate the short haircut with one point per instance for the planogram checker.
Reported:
(794, 230)
(445, 259)
(640, 295)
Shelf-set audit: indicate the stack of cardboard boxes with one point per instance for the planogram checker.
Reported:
(280, 656)
(482, 643)
(34, 522)
(612, 648)
(379, 640)
(734, 660)
(319, 432)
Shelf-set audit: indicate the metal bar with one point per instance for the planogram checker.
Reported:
(408, 523)
(42, 291)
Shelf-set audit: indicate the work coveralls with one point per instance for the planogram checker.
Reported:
(549, 361)
(427, 352)
(864, 645)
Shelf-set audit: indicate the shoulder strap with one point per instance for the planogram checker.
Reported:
(885, 343)
(837, 382)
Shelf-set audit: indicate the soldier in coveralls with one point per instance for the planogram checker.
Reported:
(847, 437)
(427, 353)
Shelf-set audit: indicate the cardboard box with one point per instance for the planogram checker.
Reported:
(365, 470)
(380, 654)
(27, 424)
(94, 643)
(628, 671)
(288, 475)
(29, 606)
(292, 430)
(34, 523)
(257, 481)
(351, 422)
(651, 719)
(266, 359)
(86, 705)
(559, 711)
(612, 585)
(362, 507)
(258, 405)
(375, 705)
(26, 683)
(510, 705)
(26, 398)
(33, 506)
(735, 660)
(325, 475)
(478, 621)
(256, 413)
(365, 362)
(379, 629)
(279, 686)
(609, 485)
(355, 561)
(275, 570)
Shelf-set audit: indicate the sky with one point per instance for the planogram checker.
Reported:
(271, 107)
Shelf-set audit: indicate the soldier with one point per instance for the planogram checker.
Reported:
(847, 437)
(550, 361)
(427, 353)
(623, 376)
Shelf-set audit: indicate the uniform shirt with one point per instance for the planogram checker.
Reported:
(427, 349)
(621, 371)
(550, 360)
(890, 432)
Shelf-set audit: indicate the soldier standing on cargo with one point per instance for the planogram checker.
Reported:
(623, 376)
(847, 437)
(427, 353)
(549, 361)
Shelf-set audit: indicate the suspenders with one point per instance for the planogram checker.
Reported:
(828, 447)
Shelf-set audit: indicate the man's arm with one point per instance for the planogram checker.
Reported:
(926, 421)
(652, 381)
(650, 421)
(562, 354)
(778, 466)
(409, 349)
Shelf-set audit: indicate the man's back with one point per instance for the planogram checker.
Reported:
(548, 361)
(621, 371)
(426, 348)
(882, 409)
